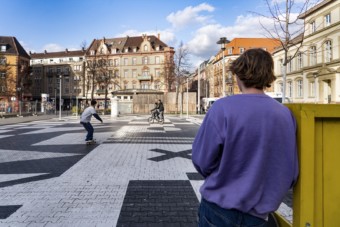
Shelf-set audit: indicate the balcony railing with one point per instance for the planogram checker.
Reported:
(144, 77)
(100, 91)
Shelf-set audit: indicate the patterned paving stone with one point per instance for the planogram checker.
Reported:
(159, 203)
(49, 177)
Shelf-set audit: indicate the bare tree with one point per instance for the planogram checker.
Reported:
(181, 67)
(287, 28)
(168, 72)
(105, 77)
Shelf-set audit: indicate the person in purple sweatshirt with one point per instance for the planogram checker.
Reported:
(246, 149)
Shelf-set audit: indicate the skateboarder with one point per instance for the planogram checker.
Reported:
(85, 120)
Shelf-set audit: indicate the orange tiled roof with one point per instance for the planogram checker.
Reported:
(248, 43)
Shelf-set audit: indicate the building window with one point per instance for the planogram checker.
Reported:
(157, 61)
(289, 64)
(70, 59)
(145, 73)
(312, 55)
(134, 61)
(145, 60)
(313, 26)
(3, 48)
(126, 73)
(2, 75)
(92, 52)
(116, 62)
(280, 65)
(280, 87)
(157, 85)
(241, 50)
(328, 51)
(126, 61)
(134, 49)
(299, 88)
(77, 68)
(157, 72)
(328, 19)
(134, 73)
(146, 47)
(113, 51)
(230, 51)
(312, 89)
(299, 60)
(290, 88)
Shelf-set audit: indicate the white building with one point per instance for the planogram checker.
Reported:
(313, 76)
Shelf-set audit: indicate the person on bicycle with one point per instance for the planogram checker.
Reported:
(154, 111)
(160, 109)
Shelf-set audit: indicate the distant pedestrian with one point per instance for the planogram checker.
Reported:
(85, 120)
(246, 149)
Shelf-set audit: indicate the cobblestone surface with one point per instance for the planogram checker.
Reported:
(49, 177)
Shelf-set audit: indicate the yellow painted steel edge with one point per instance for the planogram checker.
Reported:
(282, 221)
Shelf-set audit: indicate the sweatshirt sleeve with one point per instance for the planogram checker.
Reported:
(97, 117)
(207, 147)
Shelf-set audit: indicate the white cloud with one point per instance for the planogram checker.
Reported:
(203, 43)
(190, 15)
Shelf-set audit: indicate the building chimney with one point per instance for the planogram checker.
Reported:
(45, 52)
(159, 36)
(66, 50)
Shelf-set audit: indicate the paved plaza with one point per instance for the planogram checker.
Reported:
(138, 174)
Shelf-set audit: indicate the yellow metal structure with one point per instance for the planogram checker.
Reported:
(316, 200)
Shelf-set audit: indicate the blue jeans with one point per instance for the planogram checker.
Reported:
(89, 129)
(211, 215)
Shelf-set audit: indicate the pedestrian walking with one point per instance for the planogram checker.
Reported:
(246, 149)
(85, 120)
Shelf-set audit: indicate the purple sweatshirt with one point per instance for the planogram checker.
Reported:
(246, 150)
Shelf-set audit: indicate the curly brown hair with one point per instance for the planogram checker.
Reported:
(255, 68)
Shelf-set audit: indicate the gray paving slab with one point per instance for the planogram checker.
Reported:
(49, 177)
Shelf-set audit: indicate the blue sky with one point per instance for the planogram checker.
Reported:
(54, 25)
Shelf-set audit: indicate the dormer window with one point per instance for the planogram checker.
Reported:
(134, 49)
(113, 51)
(92, 52)
(157, 48)
(3, 48)
(241, 50)
(146, 47)
(230, 51)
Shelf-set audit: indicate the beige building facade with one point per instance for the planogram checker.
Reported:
(131, 64)
(54, 70)
(313, 75)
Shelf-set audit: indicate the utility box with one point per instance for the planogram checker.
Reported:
(316, 200)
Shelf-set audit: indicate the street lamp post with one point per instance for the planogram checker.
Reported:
(60, 97)
(222, 42)
(187, 97)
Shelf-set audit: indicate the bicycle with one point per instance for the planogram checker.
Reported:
(155, 117)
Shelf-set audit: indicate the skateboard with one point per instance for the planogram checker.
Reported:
(91, 142)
